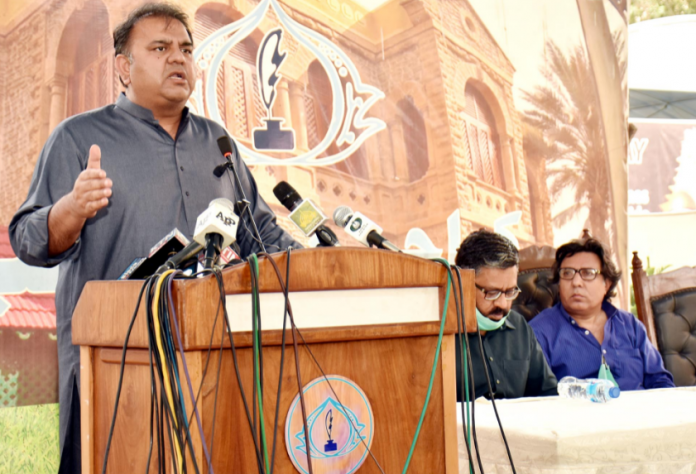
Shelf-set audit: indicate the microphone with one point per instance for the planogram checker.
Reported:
(229, 150)
(187, 253)
(306, 215)
(361, 228)
(171, 245)
(216, 229)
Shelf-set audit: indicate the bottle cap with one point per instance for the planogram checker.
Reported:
(614, 392)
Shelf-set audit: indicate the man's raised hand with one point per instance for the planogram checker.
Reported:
(92, 188)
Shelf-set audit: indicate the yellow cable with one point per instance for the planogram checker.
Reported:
(165, 373)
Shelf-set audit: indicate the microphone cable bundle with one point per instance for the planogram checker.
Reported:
(167, 408)
(171, 425)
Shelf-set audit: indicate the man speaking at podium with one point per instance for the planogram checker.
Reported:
(110, 183)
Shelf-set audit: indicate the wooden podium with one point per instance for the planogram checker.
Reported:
(371, 316)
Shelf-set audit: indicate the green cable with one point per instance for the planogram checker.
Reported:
(432, 373)
(256, 335)
(463, 338)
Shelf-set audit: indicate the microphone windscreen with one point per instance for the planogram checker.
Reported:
(342, 215)
(225, 145)
(220, 170)
(287, 195)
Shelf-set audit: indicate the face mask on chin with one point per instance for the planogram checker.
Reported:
(487, 324)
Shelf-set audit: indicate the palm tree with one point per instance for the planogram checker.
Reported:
(565, 111)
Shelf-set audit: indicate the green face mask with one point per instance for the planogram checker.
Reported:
(605, 373)
(487, 324)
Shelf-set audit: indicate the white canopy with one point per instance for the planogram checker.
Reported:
(662, 67)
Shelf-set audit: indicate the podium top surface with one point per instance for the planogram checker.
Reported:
(105, 308)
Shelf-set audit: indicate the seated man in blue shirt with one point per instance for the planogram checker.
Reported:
(512, 359)
(584, 329)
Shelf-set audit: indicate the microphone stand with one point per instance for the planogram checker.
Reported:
(244, 203)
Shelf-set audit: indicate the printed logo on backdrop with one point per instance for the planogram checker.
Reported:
(348, 126)
(636, 150)
(339, 422)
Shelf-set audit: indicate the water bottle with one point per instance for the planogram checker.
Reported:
(596, 390)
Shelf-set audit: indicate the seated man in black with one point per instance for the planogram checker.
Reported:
(515, 362)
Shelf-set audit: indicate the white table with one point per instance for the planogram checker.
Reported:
(651, 432)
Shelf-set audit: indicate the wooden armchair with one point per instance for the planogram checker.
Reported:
(666, 305)
(534, 279)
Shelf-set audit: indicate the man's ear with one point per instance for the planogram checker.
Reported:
(123, 65)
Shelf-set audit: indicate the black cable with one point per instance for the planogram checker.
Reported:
(473, 391)
(120, 377)
(217, 387)
(166, 364)
(458, 302)
(221, 289)
(165, 407)
(182, 422)
(254, 288)
(495, 410)
(316, 362)
(297, 369)
(170, 365)
(286, 290)
(153, 407)
(207, 359)
(257, 314)
(470, 364)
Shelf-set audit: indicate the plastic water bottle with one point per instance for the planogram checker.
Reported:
(596, 390)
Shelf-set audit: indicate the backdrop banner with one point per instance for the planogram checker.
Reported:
(662, 166)
(433, 118)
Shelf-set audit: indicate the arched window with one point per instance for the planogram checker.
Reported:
(238, 98)
(481, 140)
(86, 57)
(319, 107)
(415, 139)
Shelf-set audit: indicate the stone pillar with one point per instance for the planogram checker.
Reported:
(299, 116)
(396, 130)
(509, 171)
(57, 90)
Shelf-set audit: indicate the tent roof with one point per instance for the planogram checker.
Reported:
(662, 104)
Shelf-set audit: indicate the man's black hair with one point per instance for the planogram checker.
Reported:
(609, 271)
(486, 249)
(156, 10)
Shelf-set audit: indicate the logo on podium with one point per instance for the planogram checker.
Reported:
(339, 423)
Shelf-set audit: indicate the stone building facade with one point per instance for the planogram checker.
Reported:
(453, 139)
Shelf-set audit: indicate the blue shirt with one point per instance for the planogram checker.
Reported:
(572, 350)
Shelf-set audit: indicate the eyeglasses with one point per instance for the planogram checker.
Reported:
(492, 295)
(587, 274)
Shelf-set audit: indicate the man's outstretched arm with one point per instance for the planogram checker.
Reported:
(67, 217)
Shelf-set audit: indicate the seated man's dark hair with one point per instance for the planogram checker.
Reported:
(609, 271)
(157, 10)
(486, 249)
